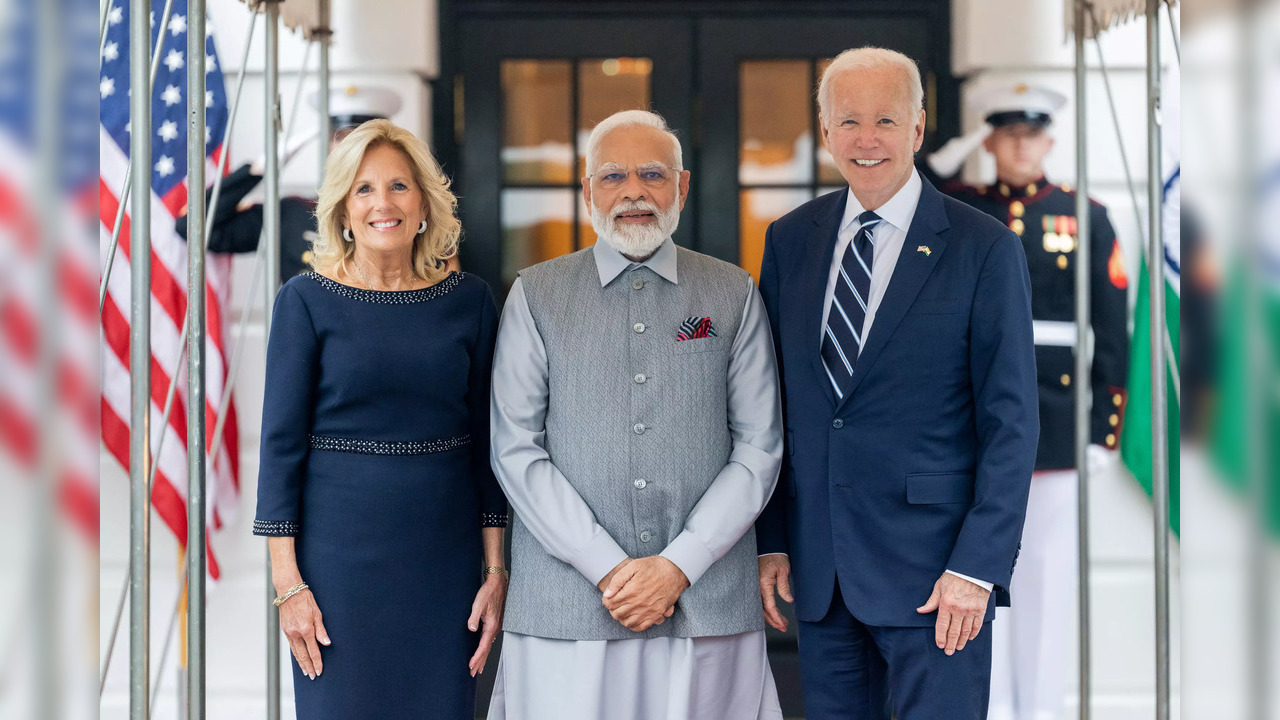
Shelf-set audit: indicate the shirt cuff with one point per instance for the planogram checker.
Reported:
(599, 557)
(690, 555)
(980, 583)
(768, 554)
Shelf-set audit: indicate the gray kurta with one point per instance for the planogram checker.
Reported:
(565, 526)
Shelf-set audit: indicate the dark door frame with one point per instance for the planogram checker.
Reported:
(796, 28)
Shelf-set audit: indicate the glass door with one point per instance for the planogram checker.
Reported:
(533, 90)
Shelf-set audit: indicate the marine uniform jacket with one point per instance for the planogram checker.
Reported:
(237, 230)
(1044, 216)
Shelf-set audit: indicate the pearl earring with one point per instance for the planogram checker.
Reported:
(346, 234)
(422, 227)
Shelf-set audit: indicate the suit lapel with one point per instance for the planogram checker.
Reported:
(909, 275)
(814, 274)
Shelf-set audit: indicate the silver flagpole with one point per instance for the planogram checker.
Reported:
(140, 359)
(46, 576)
(196, 454)
(1159, 399)
(270, 246)
(323, 36)
(1083, 396)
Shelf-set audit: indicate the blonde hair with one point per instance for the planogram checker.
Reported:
(871, 58)
(432, 248)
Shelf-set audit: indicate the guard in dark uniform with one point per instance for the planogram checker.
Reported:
(237, 228)
(1031, 643)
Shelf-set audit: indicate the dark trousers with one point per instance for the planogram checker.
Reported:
(853, 671)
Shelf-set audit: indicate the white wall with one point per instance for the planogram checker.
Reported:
(995, 41)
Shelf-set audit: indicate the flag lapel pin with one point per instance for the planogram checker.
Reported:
(924, 249)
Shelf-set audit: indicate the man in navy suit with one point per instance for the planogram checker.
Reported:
(902, 320)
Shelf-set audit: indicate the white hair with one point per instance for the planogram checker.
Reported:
(870, 58)
(630, 118)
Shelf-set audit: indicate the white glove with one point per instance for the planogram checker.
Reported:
(287, 152)
(946, 161)
(1101, 460)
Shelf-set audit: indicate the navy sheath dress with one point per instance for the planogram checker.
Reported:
(375, 456)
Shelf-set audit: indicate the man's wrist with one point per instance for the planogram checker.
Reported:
(980, 583)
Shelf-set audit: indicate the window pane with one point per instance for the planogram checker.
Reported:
(536, 110)
(776, 139)
(827, 171)
(537, 225)
(606, 86)
(758, 208)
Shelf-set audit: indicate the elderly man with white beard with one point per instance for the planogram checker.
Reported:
(637, 434)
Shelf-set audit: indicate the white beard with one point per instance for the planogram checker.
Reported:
(635, 240)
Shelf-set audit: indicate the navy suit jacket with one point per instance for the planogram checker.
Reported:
(926, 463)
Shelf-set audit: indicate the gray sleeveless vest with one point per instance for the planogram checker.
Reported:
(608, 429)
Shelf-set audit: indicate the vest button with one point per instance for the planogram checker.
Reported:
(638, 327)
(640, 484)
(637, 284)
(638, 428)
(640, 378)
(645, 536)
(837, 423)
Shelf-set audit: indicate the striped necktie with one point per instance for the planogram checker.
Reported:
(842, 336)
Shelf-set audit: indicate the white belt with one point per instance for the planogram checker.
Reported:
(1054, 333)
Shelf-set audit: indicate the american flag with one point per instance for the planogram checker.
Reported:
(73, 421)
(168, 133)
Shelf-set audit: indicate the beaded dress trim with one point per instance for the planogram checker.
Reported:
(388, 447)
(389, 297)
(275, 528)
(489, 519)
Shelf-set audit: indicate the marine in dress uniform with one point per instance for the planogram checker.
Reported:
(1031, 646)
(237, 227)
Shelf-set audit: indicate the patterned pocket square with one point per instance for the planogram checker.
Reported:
(695, 328)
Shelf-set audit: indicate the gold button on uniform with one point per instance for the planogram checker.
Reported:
(1111, 440)
(1032, 189)
(1066, 379)
(1017, 208)
(1004, 190)
(1062, 262)
(1114, 420)
(307, 257)
(1017, 226)
(1118, 399)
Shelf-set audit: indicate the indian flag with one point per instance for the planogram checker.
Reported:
(1136, 439)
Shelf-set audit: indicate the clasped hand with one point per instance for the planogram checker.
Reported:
(643, 593)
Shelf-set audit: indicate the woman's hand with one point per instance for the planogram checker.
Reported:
(302, 625)
(486, 611)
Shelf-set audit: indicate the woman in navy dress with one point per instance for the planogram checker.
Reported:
(374, 489)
